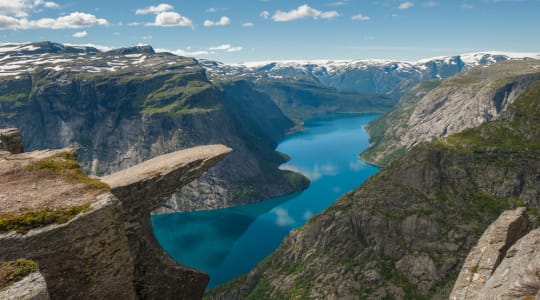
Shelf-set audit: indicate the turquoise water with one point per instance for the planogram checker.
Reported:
(228, 242)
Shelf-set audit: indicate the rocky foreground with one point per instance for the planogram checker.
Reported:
(92, 238)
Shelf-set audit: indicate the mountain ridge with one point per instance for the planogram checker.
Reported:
(405, 233)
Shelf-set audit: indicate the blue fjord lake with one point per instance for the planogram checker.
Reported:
(228, 242)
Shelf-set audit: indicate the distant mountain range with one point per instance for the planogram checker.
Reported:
(381, 76)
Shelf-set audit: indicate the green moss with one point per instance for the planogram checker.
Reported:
(293, 267)
(26, 221)
(176, 96)
(242, 192)
(263, 290)
(300, 290)
(474, 269)
(13, 271)
(63, 164)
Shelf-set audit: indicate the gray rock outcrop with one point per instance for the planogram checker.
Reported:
(109, 251)
(518, 275)
(31, 287)
(488, 253)
(11, 140)
(438, 109)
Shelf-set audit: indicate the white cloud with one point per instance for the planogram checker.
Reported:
(154, 9)
(361, 17)
(50, 4)
(20, 8)
(147, 37)
(265, 14)
(466, 6)
(303, 11)
(356, 165)
(203, 52)
(248, 24)
(223, 21)
(171, 19)
(16, 8)
(226, 47)
(99, 47)
(338, 3)
(431, 4)
(182, 52)
(283, 218)
(73, 20)
(211, 10)
(314, 173)
(80, 34)
(406, 5)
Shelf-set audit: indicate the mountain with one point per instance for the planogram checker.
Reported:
(376, 76)
(405, 233)
(127, 105)
(435, 109)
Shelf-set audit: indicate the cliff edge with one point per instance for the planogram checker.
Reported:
(92, 238)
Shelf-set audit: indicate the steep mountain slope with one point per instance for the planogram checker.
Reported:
(406, 231)
(376, 76)
(435, 109)
(303, 99)
(128, 105)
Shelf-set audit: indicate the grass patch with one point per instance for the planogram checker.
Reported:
(64, 165)
(13, 271)
(23, 222)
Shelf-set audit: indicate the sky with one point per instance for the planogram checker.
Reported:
(254, 30)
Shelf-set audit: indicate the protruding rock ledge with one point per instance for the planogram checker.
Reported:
(165, 164)
(109, 251)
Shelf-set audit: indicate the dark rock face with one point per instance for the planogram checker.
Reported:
(86, 258)
(109, 252)
(403, 234)
(11, 140)
(156, 274)
(128, 105)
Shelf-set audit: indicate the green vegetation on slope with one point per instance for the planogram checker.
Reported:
(64, 165)
(180, 95)
(406, 231)
(499, 79)
(25, 221)
(304, 99)
(519, 130)
(13, 271)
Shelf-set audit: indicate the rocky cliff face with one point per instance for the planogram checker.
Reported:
(405, 233)
(128, 105)
(436, 109)
(104, 249)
